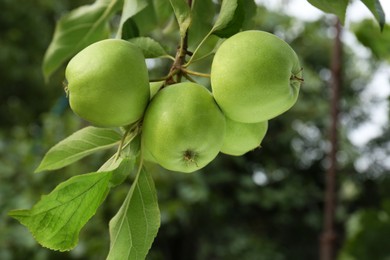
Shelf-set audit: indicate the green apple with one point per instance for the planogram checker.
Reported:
(255, 76)
(183, 127)
(241, 138)
(147, 156)
(108, 83)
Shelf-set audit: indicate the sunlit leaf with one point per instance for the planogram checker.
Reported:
(183, 15)
(130, 8)
(76, 30)
(134, 227)
(368, 33)
(124, 169)
(226, 14)
(337, 7)
(78, 145)
(376, 9)
(203, 13)
(163, 11)
(146, 19)
(56, 220)
(149, 47)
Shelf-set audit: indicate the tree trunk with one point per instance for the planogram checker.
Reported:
(328, 237)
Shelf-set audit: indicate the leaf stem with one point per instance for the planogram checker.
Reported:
(189, 77)
(195, 73)
(200, 58)
(131, 129)
(197, 49)
(171, 74)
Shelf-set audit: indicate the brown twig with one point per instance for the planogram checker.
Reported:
(180, 59)
(328, 237)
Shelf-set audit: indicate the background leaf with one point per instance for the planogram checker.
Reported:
(366, 31)
(78, 145)
(134, 227)
(56, 220)
(244, 12)
(129, 29)
(130, 8)
(235, 23)
(149, 47)
(337, 7)
(146, 19)
(226, 14)
(202, 16)
(164, 12)
(183, 15)
(376, 9)
(76, 30)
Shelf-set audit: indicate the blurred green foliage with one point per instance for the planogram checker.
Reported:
(264, 205)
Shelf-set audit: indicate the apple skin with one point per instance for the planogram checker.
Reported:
(183, 127)
(108, 83)
(241, 138)
(255, 76)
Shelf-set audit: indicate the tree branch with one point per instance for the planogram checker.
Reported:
(328, 237)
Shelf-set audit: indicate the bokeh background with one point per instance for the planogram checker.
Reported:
(267, 204)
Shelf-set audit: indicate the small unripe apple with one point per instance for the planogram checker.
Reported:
(183, 127)
(108, 83)
(255, 76)
(241, 138)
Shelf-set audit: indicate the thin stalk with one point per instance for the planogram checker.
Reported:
(129, 131)
(195, 73)
(188, 77)
(197, 49)
(328, 237)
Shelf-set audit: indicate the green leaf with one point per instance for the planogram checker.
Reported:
(244, 12)
(146, 20)
(134, 227)
(337, 7)
(155, 87)
(122, 166)
(130, 8)
(78, 145)
(235, 23)
(368, 34)
(164, 11)
(149, 47)
(130, 29)
(250, 11)
(123, 170)
(376, 9)
(76, 30)
(56, 220)
(183, 15)
(226, 14)
(202, 15)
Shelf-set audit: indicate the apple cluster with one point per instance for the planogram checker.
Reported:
(255, 76)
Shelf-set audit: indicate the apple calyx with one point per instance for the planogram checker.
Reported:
(189, 157)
